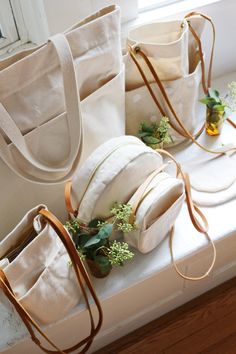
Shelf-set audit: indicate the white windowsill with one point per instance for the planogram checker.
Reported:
(169, 10)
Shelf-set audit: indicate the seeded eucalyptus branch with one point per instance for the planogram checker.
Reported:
(92, 240)
(122, 213)
(118, 253)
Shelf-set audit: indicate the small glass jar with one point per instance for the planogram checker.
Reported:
(214, 121)
(96, 269)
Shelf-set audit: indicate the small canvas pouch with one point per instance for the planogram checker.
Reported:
(156, 207)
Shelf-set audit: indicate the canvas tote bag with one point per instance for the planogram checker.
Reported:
(58, 102)
(111, 174)
(166, 56)
(156, 204)
(37, 279)
(125, 170)
(160, 199)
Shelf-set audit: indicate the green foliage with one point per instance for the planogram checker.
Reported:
(123, 217)
(103, 233)
(212, 100)
(227, 104)
(119, 252)
(154, 134)
(92, 240)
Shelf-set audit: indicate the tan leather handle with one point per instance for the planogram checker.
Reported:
(198, 40)
(80, 272)
(192, 209)
(143, 187)
(137, 50)
(175, 264)
(184, 131)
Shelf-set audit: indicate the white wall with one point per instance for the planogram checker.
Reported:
(62, 14)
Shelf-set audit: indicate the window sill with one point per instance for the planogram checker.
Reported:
(166, 11)
(225, 55)
(170, 10)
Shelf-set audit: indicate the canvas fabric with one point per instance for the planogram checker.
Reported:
(39, 274)
(112, 174)
(158, 207)
(58, 103)
(172, 51)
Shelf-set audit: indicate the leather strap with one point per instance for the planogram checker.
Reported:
(163, 113)
(81, 275)
(205, 84)
(184, 131)
(143, 187)
(137, 50)
(43, 172)
(175, 263)
(193, 212)
(231, 122)
(68, 201)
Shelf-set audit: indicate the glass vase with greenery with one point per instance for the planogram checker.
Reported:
(93, 243)
(218, 108)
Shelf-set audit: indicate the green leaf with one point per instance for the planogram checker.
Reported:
(94, 223)
(214, 94)
(219, 107)
(105, 231)
(206, 100)
(92, 241)
(146, 128)
(83, 239)
(151, 140)
(143, 134)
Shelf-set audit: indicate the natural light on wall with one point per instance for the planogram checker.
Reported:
(149, 4)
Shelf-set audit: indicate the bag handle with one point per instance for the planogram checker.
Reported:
(72, 103)
(193, 211)
(132, 52)
(175, 263)
(205, 84)
(143, 187)
(137, 50)
(79, 271)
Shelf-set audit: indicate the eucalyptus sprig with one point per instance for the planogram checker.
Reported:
(119, 252)
(92, 240)
(155, 134)
(123, 215)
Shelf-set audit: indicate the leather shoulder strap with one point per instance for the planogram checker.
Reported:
(82, 277)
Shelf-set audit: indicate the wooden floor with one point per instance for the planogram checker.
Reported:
(204, 325)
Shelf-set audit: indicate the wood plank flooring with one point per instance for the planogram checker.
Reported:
(204, 325)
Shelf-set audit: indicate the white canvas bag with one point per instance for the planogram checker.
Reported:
(41, 284)
(173, 64)
(156, 205)
(184, 93)
(111, 174)
(58, 103)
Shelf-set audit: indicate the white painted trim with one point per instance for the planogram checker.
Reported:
(34, 19)
(7, 24)
(31, 23)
